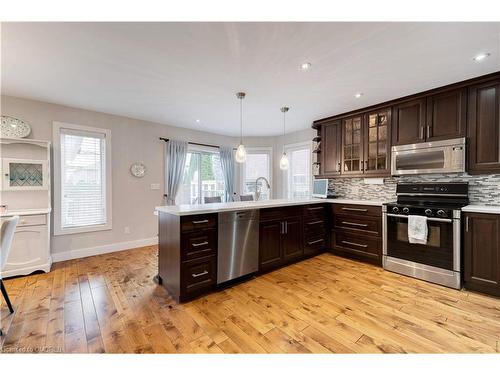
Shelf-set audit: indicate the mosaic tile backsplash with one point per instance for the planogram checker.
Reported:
(483, 189)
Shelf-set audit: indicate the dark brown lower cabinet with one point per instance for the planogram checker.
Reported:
(356, 232)
(187, 256)
(270, 244)
(482, 253)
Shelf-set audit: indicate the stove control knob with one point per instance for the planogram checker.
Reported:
(441, 213)
(395, 210)
(406, 210)
(428, 212)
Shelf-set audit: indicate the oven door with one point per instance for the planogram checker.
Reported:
(440, 250)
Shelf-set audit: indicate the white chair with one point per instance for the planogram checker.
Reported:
(7, 234)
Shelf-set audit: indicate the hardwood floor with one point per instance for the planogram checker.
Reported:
(326, 304)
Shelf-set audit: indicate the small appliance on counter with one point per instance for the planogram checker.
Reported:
(320, 188)
(437, 258)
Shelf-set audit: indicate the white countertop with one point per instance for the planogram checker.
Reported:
(26, 211)
(194, 209)
(482, 209)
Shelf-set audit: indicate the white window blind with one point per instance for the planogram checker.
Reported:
(83, 178)
(258, 164)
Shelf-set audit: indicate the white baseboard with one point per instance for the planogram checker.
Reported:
(104, 249)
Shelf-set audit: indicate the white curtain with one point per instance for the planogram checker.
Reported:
(175, 160)
(227, 164)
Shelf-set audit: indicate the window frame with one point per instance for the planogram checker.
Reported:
(286, 173)
(257, 150)
(56, 138)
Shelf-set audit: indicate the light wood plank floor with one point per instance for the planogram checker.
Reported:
(108, 303)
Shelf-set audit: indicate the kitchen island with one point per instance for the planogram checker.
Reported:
(288, 231)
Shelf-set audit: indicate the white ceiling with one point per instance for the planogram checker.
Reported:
(175, 73)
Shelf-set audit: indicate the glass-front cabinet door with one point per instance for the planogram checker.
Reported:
(377, 130)
(352, 150)
(24, 174)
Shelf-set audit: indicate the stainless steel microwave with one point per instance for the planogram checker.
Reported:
(430, 157)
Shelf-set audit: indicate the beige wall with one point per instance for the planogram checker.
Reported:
(132, 140)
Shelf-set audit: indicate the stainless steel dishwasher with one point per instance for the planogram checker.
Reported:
(238, 250)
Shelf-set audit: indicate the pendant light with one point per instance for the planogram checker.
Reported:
(241, 153)
(284, 157)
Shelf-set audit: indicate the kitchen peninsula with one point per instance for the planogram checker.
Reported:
(201, 247)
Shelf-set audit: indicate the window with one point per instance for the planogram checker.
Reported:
(202, 177)
(298, 177)
(82, 179)
(258, 164)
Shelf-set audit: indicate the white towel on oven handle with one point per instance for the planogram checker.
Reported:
(417, 229)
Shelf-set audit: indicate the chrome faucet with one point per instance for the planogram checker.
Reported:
(257, 188)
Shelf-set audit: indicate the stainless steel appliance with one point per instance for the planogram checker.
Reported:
(430, 157)
(238, 249)
(439, 259)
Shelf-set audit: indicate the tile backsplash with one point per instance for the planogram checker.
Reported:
(483, 189)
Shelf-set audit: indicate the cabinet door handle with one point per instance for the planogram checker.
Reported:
(421, 132)
(354, 244)
(286, 227)
(354, 209)
(199, 274)
(428, 131)
(200, 221)
(355, 224)
(282, 228)
(466, 223)
(200, 244)
(316, 241)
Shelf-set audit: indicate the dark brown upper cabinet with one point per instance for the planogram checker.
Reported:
(482, 253)
(352, 145)
(408, 122)
(484, 128)
(331, 143)
(377, 143)
(432, 118)
(446, 115)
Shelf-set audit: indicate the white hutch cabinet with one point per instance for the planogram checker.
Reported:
(25, 191)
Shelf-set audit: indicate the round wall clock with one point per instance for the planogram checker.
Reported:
(14, 128)
(138, 170)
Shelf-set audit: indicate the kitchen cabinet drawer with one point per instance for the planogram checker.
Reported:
(29, 220)
(198, 276)
(356, 209)
(314, 228)
(357, 246)
(194, 222)
(316, 211)
(198, 244)
(369, 225)
(280, 213)
(314, 245)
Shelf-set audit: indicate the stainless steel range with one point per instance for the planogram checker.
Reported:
(438, 260)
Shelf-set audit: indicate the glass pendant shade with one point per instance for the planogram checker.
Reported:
(284, 162)
(241, 154)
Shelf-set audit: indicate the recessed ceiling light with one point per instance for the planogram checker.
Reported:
(358, 95)
(481, 57)
(198, 120)
(305, 66)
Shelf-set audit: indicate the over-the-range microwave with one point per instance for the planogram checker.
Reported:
(431, 157)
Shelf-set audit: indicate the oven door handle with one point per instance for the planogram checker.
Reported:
(428, 219)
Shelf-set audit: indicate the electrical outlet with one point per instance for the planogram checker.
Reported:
(126, 230)
(155, 186)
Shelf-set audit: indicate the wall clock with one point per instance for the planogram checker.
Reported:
(14, 128)
(138, 170)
